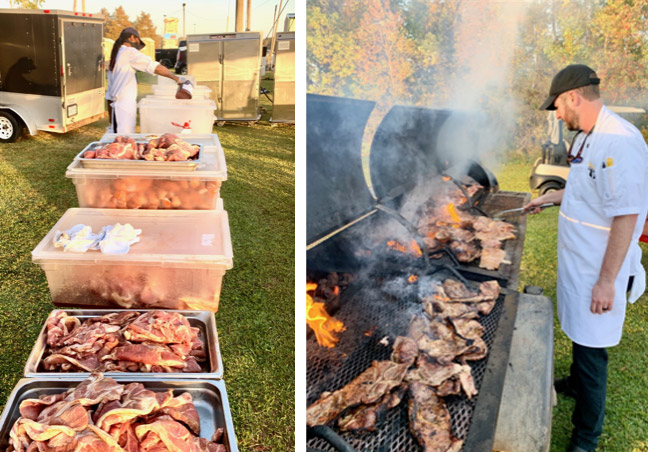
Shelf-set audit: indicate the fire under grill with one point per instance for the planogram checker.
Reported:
(374, 315)
(348, 227)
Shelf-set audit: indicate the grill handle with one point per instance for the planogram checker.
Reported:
(335, 440)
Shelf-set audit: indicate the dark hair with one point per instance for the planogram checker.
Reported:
(123, 37)
(589, 92)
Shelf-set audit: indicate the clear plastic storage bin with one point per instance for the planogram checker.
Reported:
(155, 188)
(179, 262)
(171, 115)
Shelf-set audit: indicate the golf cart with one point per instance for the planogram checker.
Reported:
(550, 171)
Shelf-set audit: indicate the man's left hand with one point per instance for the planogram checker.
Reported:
(602, 297)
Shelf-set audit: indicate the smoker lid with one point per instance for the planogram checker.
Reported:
(413, 144)
(336, 191)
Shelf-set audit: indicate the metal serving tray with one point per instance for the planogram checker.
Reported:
(209, 398)
(203, 320)
(187, 165)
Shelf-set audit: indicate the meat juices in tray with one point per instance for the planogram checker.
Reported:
(101, 414)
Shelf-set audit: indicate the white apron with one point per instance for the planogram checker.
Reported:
(610, 181)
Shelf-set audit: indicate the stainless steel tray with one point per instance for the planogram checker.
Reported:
(209, 397)
(187, 165)
(203, 320)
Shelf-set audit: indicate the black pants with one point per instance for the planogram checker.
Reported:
(589, 379)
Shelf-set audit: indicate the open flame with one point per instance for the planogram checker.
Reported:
(324, 326)
(453, 214)
(413, 249)
(412, 279)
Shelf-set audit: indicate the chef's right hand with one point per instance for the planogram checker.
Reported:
(553, 197)
(181, 80)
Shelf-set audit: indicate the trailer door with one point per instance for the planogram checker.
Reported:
(83, 55)
(241, 77)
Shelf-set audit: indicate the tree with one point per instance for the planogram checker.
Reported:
(30, 4)
(119, 21)
(144, 25)
(110, 26)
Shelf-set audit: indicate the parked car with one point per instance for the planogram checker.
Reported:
(550, 171)
(181, 58)
(166, 57)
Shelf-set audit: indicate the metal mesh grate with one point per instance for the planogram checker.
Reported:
(369, 315)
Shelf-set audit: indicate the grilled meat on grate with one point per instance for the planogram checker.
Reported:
(367, 388)
(430, 420)
(367, 417)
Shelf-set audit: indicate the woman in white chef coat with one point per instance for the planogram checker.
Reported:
(598, 236)
(125, 60)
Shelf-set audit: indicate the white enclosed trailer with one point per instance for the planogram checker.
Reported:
(51, 71)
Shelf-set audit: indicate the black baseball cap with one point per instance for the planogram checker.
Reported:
(572, 77)
(132, 31)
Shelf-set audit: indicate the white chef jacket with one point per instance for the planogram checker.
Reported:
(611, 180)
(122, 85)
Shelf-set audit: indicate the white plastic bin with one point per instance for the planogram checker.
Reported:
(170, 90)
(159, 188)
(169, 115)
(179, 262)
(166, 81)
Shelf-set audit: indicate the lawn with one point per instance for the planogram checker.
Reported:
(626, 421)
(257, 313)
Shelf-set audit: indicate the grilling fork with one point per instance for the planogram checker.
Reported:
(520, 210)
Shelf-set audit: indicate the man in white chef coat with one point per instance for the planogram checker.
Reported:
(598, 232)
(125, 60)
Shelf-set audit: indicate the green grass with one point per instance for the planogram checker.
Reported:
(626, 421)
(257, 311)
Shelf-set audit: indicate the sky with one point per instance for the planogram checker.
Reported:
(202, 16)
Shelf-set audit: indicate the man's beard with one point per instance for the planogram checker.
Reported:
(570, 119)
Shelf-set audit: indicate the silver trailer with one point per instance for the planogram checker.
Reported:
(51, 71)
(230, 65)
(283, 100)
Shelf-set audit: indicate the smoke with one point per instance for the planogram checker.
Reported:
(486, 40)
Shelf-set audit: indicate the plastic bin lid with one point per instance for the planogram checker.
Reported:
(191, 238)
(177, 103)
(211, 167)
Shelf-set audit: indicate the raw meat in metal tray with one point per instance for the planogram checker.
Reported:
(160, 326)
(136, 401)
(155, 341)
(59, 325)
(182, 409)
(101, 415)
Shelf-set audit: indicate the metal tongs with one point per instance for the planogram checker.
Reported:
(520, 210)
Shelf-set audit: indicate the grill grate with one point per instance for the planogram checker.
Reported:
(369, 315)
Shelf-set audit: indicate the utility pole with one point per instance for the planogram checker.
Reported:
(184, 32)
(249, 15)
(240, 6)
(274, 33)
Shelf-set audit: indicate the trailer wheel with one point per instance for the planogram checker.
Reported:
(10, 127)
(549, 187)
